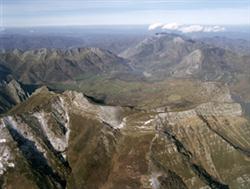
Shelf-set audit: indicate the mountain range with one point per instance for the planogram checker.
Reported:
(169, 112)
(56, 65)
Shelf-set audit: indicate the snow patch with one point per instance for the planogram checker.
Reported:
(5, 159)
(11, 165)
(110, 115)
(146, 74)
(178, 40)
(149, 121)
(2, 140)
(123, 123)
(154, 182)
(23, 129)
(60, 143)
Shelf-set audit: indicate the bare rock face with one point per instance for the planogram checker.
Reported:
(41, 134)
(189, 65)
(204, 144)
(80, 105)
(11, 94)
(66, 141)
(5, 151)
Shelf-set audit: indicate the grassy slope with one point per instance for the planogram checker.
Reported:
(142, 94)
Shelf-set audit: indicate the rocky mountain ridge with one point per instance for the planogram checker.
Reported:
(149, 121)
(58, 65)
(64, 140)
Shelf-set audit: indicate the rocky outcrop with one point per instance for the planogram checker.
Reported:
(80, 105)
(11, 93)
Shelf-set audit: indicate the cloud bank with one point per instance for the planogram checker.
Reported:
(155, 26)
(171, 26)
(186, 28)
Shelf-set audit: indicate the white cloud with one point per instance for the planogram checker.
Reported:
(155, 26)
(171, 26)
(199, 28)
(191, 28)
(214, 29)
(187, 28)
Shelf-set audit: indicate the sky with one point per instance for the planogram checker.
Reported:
(123, 12)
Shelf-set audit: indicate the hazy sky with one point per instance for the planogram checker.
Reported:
(109, 12)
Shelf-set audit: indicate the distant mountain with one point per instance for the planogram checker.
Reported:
(161, 50)
(57, 65)
(171, 55)
(29, 41)
(237, 45)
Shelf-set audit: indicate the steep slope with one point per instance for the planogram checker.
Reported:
(205, 144)
(237, 45)
(65, 140)
(52, 140)
(4, 72)
(209, 63)
(161, 50)
(56, 65)
(11, 94)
